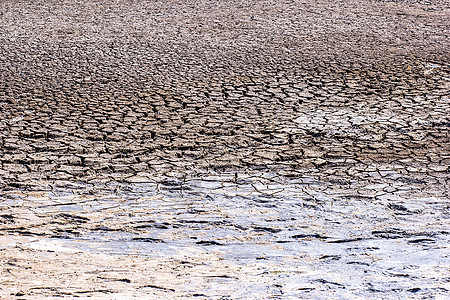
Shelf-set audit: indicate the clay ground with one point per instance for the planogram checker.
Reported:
(224, 149)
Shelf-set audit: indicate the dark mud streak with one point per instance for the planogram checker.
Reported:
(147, 240)
(157, 287)
(209, 243)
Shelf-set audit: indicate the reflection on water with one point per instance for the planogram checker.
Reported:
(253, 235)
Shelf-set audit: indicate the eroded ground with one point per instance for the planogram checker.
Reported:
(224, 149)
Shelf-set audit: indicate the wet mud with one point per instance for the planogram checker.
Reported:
(261, 235)
(224, 150)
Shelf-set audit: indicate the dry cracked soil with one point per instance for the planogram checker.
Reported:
(227, 149)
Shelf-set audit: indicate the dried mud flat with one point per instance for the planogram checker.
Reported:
(224, 149)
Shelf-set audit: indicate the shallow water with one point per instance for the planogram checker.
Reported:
(252, 236)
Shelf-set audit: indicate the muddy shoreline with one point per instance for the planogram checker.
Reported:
(224, 150)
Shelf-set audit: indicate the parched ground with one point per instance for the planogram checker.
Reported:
(240, 149)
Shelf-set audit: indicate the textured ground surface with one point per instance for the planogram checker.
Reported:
(241, 149)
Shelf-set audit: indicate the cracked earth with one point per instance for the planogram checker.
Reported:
(224, 149)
